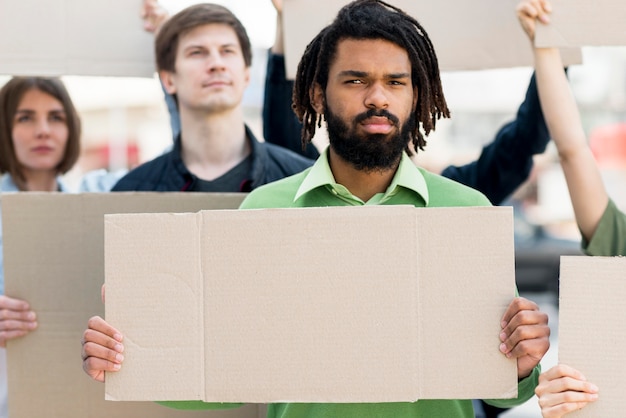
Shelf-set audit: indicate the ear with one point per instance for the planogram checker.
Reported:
(316, 95)
(415, 97)
(167, 79)
(247, 76)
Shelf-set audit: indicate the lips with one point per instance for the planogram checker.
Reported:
(377, 125)
(216, 83)
(42, 149)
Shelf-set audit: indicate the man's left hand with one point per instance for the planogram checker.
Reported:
(525, 335)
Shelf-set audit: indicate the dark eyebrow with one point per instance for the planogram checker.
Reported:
(361, 74)
(398, 75)
(226, 45)
(30, 112)
(353, 73)
(193, 46)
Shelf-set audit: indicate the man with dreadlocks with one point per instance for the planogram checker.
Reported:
(373, 76)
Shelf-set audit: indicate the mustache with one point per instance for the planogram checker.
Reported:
(378, 113)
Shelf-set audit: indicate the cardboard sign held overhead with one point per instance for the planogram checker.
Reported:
(576, 23)
(341, 304)
(74, 37)
(54, 259)
(467, 35)
(591, 320)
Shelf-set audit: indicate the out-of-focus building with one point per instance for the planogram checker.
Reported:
(482, 101)
(125, 121)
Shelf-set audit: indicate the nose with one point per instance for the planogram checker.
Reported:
(215, 61)
(376, 97)
(43, 128)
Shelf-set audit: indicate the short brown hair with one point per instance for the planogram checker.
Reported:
(166, 43)
(11, 95)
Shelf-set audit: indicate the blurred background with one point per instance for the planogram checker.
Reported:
(125, 122)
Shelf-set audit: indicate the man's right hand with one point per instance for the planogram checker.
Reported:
(102, 349)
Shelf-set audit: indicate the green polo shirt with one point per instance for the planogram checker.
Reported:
(411, 185)
(610, 236)
(316, 187)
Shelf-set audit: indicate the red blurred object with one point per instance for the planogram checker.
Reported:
(608, 145)
(99, 156)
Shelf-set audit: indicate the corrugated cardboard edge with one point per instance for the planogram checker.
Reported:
(62, 282)
(591, 315)
(303, 19)
(508, 368)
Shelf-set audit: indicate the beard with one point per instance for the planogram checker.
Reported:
(369, 152)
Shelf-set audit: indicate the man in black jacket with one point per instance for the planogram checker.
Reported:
(203, 58)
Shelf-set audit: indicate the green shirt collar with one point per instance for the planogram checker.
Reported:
(407, 176)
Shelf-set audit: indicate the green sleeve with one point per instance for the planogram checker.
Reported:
(525, 391)
(610, 236)
(193, 405)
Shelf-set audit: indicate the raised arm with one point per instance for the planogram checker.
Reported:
(280, 124)
(153, 15)
(586, 189)
(563, 389)
(505, 163)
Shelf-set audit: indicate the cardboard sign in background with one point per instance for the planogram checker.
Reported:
(74, 37)
(467, 35)
(576, 23)
(54, 259)
(591, 322)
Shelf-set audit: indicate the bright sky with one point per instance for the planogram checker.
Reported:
(257, 16)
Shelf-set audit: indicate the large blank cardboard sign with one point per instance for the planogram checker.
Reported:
(54, 259)
(74, 37)
(467, 35)
(335, 304)
(576, 23)
(591, 319)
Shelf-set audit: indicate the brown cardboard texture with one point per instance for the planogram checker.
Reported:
(591, 316)
(338, 304)
(54, 259)
(74, 37)
(467, 35)
(576, 23)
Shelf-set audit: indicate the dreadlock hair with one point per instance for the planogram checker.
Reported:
(372, 19)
